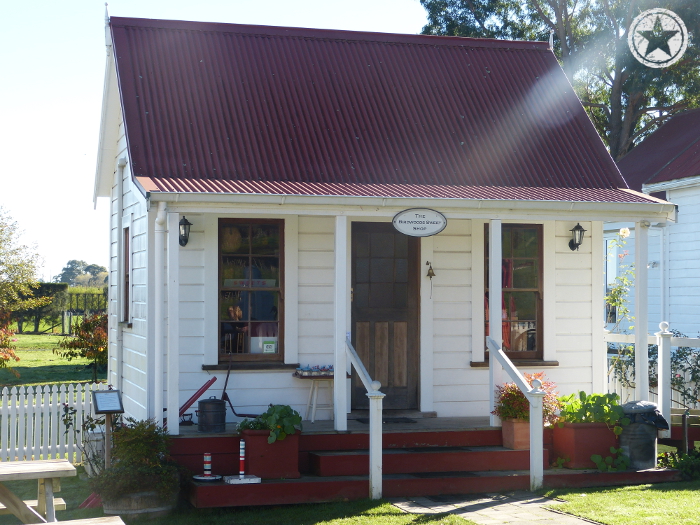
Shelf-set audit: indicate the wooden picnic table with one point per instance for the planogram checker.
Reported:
(48, 474)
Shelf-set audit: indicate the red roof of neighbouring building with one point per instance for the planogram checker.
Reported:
(671, 152)
(231, 108)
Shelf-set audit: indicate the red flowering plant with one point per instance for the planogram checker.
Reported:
(7, 349)
(89, 341)
(511, 403)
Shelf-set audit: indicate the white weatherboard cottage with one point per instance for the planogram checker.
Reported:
(290, 152)
(667, 163)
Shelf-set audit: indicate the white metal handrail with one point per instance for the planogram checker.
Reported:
(534, 395)
(375, 422)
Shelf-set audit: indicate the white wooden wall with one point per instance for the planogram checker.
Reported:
(458, 389)
(684, 262)
(135, 363)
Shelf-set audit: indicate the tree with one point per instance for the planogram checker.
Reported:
(89, 341)
(80, 273)
(18, 280)
(95, 269)
(70, 271)
(625, 99)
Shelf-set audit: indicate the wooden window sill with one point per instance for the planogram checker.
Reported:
(519, 363)
(253, 365)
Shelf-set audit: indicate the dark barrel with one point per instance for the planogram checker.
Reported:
(211, 416)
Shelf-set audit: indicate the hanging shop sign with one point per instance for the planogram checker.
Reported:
(420, 222)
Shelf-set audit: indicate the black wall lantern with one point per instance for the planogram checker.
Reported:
(184, 231)
(576, 237)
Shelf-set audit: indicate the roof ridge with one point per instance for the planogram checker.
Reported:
(329, 34)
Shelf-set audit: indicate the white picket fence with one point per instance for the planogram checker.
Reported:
(31, 421)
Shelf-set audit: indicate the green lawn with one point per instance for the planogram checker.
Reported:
(37, 342)
(659, 504)
(38, 365)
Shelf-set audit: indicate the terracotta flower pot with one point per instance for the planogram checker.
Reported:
(271, 460)
(516, 434)
(579, 441)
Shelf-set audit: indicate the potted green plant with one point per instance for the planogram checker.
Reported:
(272, 443)
(141, 481)
(589, 425)
(514, 410)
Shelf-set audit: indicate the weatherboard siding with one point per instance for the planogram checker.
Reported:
(684, 262)
(454, 379)
(134, 379)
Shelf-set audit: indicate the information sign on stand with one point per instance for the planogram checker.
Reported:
(107, 402)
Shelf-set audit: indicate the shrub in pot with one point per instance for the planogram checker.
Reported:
(272, 443)
(514, 410)
(589, 426)
(141, 481)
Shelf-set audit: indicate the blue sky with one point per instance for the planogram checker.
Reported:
(52, 57)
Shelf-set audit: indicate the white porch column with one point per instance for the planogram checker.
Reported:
(663, 340)
(340, 322)
(158, 260)
(495, 310)
(641, 309)
(376, 399)
(173, 346)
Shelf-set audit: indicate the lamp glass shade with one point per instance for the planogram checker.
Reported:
(184, 231)
(576, 236)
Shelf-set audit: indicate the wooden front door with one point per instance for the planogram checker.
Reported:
(385, 312)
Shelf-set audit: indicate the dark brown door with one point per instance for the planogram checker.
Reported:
(385, 312)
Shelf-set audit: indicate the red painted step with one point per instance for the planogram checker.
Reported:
(312, 489)
(357, 441)
(425, 459)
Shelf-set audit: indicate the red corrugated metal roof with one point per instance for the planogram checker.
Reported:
(420, 191)
(671, 152)
(214, 106)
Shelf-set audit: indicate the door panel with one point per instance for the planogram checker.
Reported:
(385, 312)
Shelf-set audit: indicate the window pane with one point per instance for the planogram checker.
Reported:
(524, 242)
(264, 272)
(264, 306)
(381, 271)
(234, 338)
(522, 306)
(263, 338)
(233, 307)
(234, 273)
(506, 242)
(235, 239)
(265, 240)
(362, 270)
(523, 336)
(382, 244)
(525, 274)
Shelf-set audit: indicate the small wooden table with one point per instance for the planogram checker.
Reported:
(48, 472)
(316, 382)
